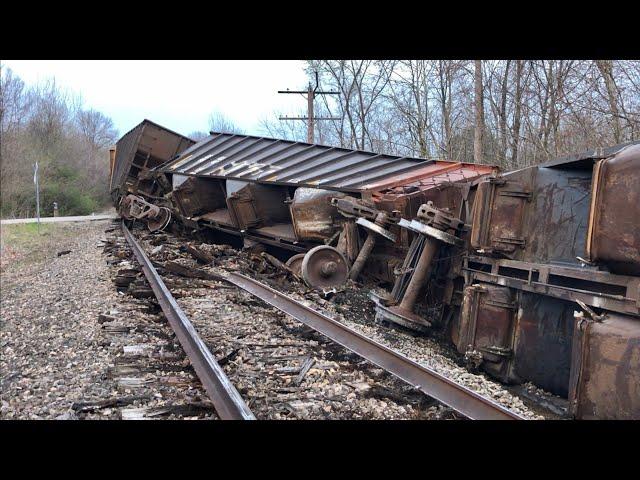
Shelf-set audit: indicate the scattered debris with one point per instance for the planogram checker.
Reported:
(190, 272)
(198, 254)
(91, 406)
(306, 366)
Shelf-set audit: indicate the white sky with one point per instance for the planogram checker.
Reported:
(177, 94)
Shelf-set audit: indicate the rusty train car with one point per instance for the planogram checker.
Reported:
(137, 153)
(533, 275)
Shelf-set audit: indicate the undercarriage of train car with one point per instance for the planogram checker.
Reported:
(533, 275)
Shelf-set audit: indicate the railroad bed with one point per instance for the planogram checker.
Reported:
(280, 367)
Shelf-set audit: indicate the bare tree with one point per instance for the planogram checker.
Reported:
(97, 129)
(479, 113)
(296, 131)
(511, 113)
(361, 84)
(220, 123)
(47, 124)
(517, 112)
(198, 135)
(606, 71)
(409, 94)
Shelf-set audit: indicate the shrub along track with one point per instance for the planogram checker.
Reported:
(282, 369)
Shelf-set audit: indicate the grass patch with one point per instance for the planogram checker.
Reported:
(22, 244)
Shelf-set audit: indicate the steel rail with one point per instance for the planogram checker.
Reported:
(226, 400)
(451, 394)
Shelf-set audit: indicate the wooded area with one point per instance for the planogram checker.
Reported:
(512, 113)
(47, 124)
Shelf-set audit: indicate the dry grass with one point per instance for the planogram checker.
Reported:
(24, 244)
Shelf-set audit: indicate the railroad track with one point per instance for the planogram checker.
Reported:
(229, 403)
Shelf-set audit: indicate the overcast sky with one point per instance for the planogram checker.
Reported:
(178, 94)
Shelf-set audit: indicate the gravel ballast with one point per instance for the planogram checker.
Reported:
(226, 314)
(75, 346)
(51, 346)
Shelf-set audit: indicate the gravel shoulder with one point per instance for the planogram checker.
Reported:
(74, 347)
(51, 354)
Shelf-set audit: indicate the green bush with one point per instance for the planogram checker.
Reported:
(60, 184)
(71, 200)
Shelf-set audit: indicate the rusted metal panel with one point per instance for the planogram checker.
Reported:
(594, 287)
(146, 146)
(498, 221)
(542, 343)
(534, 215)
(112, 162)
(313, 216)
(557, 224)
(605, 374)
(614, 221)
(197, 196)
(516, 336)
(430, 176)
(253, 206)
(486, 327)
(124, 154)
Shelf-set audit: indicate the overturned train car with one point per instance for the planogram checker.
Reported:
(137, 153)
(533, 275)
(298, 196)
(552, 280)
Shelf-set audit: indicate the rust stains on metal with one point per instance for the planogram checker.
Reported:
(486, 328)
(430, 176)
(614, 226)
(501, 261)
(313, 216)
(605, 380)
(146, 146)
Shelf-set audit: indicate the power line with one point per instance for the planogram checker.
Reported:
(310, 93)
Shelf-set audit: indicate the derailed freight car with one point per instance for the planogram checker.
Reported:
(131, 183)
(298, 196)
(533, 274)
(552, 292)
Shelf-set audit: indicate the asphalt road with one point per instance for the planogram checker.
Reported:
(85, 218)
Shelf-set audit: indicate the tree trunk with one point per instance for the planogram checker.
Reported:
(503, 113)
(606, 70)
(517, 114)
(479, 111)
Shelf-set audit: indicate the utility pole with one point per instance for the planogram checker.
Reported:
(311, 93)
